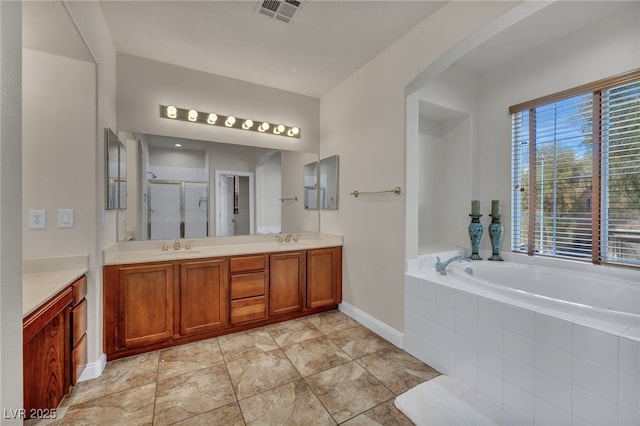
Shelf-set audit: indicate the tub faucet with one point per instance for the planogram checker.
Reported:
(442, 266)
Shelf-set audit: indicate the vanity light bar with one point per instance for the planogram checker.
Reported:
(213, 119)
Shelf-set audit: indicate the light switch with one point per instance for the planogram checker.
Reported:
(65, 218)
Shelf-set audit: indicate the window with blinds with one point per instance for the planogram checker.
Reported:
(576, 173)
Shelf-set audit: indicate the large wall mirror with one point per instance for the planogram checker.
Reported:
(183, 188)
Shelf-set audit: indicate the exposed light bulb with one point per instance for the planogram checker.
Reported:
(212, 118)
(172, 112)
(230, 121)
(278, 129)
(247, 124)
(293, 131)
(193, 115)
(263, 127)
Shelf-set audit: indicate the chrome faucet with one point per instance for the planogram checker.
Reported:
(189, 244)
(176, 245)
(287, 239)
(442, 266)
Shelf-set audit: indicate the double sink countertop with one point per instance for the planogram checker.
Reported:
(43, 278)
(150, 251)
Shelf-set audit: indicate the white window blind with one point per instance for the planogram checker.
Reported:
(575, 193)
(620, 219)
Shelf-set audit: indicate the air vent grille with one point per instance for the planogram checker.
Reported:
(280, 10)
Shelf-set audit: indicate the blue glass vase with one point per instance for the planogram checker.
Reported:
(495, 233)
(475, 234)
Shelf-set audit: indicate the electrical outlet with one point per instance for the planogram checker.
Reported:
(37, 219)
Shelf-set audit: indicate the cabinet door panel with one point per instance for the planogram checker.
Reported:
(204, 298)
(286, 282)
(324, 277)
(146, 304)
(46, 359)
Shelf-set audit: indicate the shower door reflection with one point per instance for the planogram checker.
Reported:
(178, 209)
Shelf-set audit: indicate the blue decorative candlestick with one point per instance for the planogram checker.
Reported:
(495, 233)
(475, 234)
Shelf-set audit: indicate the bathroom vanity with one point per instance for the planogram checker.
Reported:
(155, 299)
(54, 331)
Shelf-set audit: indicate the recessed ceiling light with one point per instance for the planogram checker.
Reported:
(178, 145)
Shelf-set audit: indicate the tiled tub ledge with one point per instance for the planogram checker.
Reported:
(547, 365)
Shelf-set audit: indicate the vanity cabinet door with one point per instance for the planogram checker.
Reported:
(145, 308)
(324, 277)
(287, 274)
(204, 300)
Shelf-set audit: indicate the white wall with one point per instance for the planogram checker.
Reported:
(607, 49)
(90, 23)
(144, 85)
(57, 151)
(363, 121)
(10, 208)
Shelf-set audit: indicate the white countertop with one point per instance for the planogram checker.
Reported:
(124, 253)
(43, 278)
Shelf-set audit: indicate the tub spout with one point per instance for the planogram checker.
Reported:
(442, 266)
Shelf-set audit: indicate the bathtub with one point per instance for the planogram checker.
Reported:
(555, 342)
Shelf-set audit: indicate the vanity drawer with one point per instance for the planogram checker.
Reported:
(247, 310)
(79, 322)
(79, 289)
(247, 263)
(248, 285)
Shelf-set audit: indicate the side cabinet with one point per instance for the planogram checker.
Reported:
(78, 329)
(46, 353)
(324, 277)
(145, 304)
(204, 304)
(287, 275)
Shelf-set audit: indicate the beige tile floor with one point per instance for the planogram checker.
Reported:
(324, 369)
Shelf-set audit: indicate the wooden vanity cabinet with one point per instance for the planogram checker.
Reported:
(155, 305)
(46, 353)
(324, 277)
(54, 340)
(287, 278)
(204, 305)
(249, 285)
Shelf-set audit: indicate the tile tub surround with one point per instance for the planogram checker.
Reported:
(295, 372)
(548, 367)
(149, 251)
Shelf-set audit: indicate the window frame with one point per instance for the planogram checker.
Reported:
(595, 89)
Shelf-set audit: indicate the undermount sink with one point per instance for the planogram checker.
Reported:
(294, 245)
(177, 252)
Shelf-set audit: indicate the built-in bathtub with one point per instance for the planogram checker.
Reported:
(556, 342)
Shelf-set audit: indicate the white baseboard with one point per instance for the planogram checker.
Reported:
(94, 369)
(374, 324)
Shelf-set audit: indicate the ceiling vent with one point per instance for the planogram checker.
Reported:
(280, 10)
